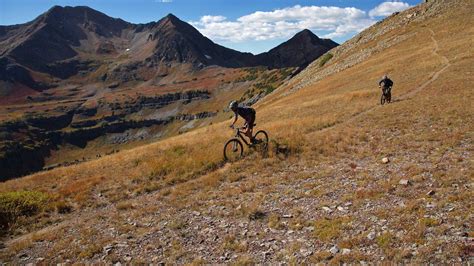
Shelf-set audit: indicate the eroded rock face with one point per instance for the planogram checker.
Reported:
(15, 73)
(106, 47)
(18, 159)
(24, 144)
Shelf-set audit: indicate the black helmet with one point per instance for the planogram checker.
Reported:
(233, 105)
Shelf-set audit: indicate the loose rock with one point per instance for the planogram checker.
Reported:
(371, 235)
(327, 209)
(404, 182)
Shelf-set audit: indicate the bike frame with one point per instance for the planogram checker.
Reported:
(238, 134)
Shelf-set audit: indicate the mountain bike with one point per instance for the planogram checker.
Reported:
(234, 149)
(386, 96)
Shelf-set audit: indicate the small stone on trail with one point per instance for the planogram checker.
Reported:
(309, 228)
(334, 250)
(305, 252)
(430, 193)
(385, 160)
(404, 182)
(327, 209)
(371, 235)
(345, 251)
(339, 208)
(287, 216)
(107, 249)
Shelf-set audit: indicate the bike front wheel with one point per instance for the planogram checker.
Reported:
(382, 99)
(233, 150)
(261, 139)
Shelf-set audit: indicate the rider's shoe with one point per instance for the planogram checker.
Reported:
(255, 142)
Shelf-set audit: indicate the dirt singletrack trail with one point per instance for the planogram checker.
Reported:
(434, 76)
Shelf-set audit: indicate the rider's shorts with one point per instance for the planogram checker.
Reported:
(249, 123)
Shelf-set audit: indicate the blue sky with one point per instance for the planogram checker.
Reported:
(245, 25)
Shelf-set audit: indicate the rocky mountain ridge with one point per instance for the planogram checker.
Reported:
(67, 41)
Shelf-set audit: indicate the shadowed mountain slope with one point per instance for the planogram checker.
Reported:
(299, 51)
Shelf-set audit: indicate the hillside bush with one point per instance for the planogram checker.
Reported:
(20, 203)
(325, 58)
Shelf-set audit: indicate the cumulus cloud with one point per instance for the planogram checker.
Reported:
(283, 23)
(388, 8)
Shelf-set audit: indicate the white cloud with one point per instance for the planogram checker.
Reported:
(211, 19)
(284, 23)
(388, 8)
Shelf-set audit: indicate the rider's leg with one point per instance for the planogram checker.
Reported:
(250, 124)
(248, 133)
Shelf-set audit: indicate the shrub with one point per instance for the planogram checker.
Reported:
(20, 203)
(327, 229)
(62, 207)
(325, 58)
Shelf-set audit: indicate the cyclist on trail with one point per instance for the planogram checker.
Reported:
(246, 113)
(386, 84)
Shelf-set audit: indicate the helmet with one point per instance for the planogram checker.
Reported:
(385, 77)
(233, 105)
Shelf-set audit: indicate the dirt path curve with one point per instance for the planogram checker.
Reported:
(435, 75)
(408, 95)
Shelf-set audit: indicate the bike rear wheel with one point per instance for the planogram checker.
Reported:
(233, 150)
(261, 139)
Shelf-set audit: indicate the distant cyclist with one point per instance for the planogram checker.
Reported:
(248, 114)
(386, 84)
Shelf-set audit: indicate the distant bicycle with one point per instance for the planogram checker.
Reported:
(234, 149)
(386, 96)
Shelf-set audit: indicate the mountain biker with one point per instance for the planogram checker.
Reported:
(386, 84)
(246, 113)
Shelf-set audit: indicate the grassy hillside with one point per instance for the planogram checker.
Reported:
(331, 199)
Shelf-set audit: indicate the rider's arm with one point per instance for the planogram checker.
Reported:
(235, 119)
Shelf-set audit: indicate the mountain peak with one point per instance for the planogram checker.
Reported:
(170, 16)
(54, 9)
(173, 20)
(69, 10)
(306, 33)
(300, 50)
